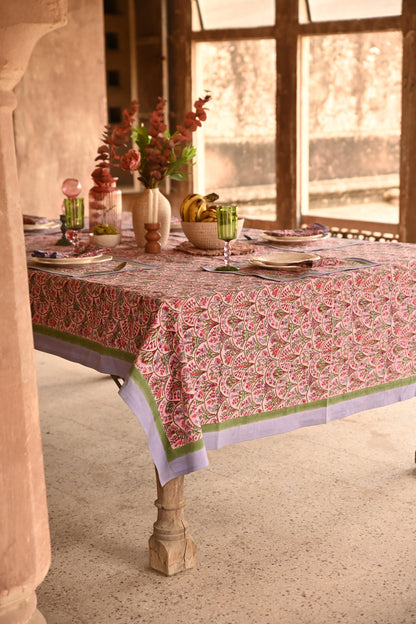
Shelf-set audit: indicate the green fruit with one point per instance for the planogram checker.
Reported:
(104, 228)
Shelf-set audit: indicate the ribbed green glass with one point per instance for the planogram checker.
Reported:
(227, 218)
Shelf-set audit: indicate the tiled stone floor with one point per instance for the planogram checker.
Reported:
(317, 526)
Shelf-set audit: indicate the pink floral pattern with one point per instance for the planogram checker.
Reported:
(213, 348)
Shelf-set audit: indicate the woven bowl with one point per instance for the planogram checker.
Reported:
(205, 235)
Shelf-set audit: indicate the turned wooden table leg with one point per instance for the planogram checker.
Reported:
(171, 548)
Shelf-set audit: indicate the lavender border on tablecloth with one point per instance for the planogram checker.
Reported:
(170, 464)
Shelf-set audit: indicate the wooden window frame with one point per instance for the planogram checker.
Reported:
(287, 33)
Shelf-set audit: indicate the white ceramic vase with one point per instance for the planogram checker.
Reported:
(147, 201)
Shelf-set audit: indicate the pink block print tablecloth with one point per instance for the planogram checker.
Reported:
(210, 358)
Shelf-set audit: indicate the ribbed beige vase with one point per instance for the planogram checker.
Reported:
(146, 201)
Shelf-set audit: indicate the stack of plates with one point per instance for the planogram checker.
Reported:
(73, 261)
(284, 260)
(291, 238)
(39, 227)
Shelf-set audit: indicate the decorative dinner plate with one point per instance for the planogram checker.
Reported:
(292, 239)
(283, 259)
(36, 227)
(72, 261)
(176, 226)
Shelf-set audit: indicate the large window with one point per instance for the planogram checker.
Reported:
(313, 105)
(326, 10)
(236, 156)
(352, 114)
(209, 14)
(305, 120)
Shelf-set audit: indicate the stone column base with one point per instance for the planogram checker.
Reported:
(21, 611)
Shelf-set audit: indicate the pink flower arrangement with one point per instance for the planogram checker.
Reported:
(111, 153)
(159, 153)
(130, 161)
(165, 155)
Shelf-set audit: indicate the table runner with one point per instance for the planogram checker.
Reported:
(210, 360)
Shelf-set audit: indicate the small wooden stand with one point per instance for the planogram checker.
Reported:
(152, 237)
(171, 548)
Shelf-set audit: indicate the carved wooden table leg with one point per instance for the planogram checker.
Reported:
(171, 548)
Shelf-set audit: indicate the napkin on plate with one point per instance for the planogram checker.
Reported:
(314, 229)
(305, 264)
(84, 251)
(318, 263)
(32, 220)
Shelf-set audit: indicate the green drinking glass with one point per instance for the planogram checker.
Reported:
(74, 217)
(227, 219)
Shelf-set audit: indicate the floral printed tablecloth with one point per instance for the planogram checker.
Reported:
(213, 358)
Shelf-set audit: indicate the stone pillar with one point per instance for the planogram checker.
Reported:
(24, 531)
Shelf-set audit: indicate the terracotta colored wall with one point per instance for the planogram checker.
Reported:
(24, 534)
(61, 109)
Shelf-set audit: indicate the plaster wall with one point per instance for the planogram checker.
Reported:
(61, 109)
(24, 534)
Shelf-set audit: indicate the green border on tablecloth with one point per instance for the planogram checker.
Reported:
(135, 375)
(170, 452)
(284, 411)
(247, 420)
(142, 384)
(83, 342)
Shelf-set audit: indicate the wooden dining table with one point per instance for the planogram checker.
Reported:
(206, 359)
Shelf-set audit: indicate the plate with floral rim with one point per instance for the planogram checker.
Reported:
(68, 261)
(284, 259)
(292, 239)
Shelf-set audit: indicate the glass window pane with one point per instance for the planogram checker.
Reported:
(354, 98)
(232, 13)
(328, 10)
(236, 148)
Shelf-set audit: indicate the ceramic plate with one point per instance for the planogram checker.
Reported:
(292, 239)
(36, 227)
(176, 226)
(283, 259)
(72, 261)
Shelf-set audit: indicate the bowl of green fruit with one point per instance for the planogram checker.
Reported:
(105, 235)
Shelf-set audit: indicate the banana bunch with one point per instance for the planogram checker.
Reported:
(195, 208)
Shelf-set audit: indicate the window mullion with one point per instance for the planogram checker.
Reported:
(408, 129)
(286, 113)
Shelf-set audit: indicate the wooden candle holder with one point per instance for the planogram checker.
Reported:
(152, 237)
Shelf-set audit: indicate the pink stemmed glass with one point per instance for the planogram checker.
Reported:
(71, 187)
